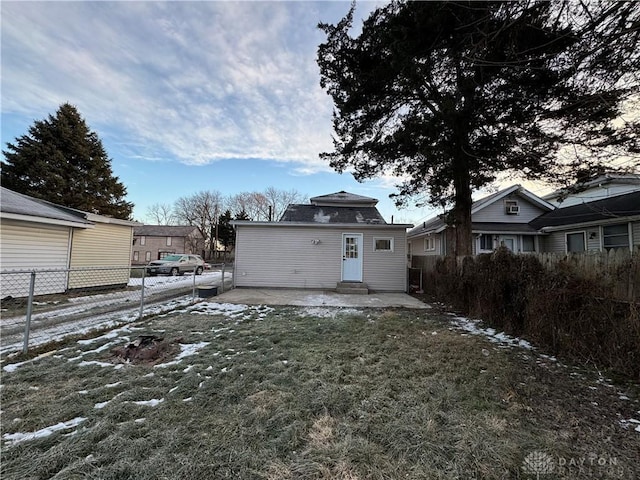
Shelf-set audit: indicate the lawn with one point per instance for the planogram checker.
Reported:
(313, 393)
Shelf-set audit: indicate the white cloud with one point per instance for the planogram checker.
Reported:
(196, 82)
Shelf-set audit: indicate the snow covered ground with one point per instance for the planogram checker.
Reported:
(82, 314)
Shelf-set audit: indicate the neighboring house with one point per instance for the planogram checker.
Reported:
(612, 222)
(36, 234)
(603, 186)
(340, 237)
(498, 219)
(154, 242)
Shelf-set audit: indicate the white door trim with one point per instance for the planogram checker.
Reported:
(351, 270)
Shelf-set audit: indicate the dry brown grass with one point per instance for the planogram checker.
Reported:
(381, 394)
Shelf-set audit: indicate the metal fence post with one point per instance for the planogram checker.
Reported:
(193, 294)
(144, 272)
(222, 283)
(27, 326)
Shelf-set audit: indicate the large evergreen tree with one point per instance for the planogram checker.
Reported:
(448, 95)
(60, 160)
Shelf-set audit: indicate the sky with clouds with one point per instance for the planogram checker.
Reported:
(186, 96)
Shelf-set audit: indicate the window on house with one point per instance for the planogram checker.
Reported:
(512, 207)
(486, 241)
(383, 244)
(147, 256)
(429, 243)
(168, 241)
(615, 236)
(143, 240)
(576, 242)
(528, 243)
(136, 256)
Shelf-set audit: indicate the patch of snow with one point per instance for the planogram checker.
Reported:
(472, 327)
(149, 403)
(101, 404)
(322, 312)
(320, 217)
(187, 399)
(14, 438)
(95, 362)
(112, 385)
(186, 351)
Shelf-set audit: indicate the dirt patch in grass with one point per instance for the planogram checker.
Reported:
(263, 393)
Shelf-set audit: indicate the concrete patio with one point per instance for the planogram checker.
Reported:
(318, 298)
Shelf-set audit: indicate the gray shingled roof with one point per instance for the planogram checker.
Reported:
(164, 230)
(331, 214)
(620, 206)
(343, 197)
(19, 204)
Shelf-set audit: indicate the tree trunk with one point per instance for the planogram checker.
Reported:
(462, 212)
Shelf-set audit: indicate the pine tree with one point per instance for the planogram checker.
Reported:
(449, 95)
(226, 232)
(60, 160)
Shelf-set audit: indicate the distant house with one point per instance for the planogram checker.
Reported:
(337, 241)
(500, 219)
(610, 223)
(154, 242)
(599, 188)
(36, 234)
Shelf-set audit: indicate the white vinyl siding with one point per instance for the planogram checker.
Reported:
(635, 233)
(419, 244)
(105, 245)
(307, 257)
(31, 246)
(496, 212)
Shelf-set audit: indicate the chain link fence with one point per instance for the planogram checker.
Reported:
(40, 306)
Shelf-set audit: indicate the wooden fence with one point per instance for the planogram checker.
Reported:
(618, 269)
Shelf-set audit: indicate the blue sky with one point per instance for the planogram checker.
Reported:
(186, 96)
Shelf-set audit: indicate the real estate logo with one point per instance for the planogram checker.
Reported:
(538, 463)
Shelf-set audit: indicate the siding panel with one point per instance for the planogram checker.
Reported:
(106, 245)
(27, 246)
(495, 212)
(287, 257)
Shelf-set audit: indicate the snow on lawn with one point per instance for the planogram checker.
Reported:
(472, 327)
(231, 310)
(331, 312)
(14, 438)
(186, 350)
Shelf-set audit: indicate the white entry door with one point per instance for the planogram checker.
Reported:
(351, 257)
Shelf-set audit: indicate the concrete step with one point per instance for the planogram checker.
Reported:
(356, 288)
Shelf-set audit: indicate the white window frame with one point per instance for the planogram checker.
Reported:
(147, 256)
(168, 241)
(511, 203)
(136, 255)
(430, 243)
(143, 240)
(566, 240)
(375, 247)
(603, 247)
(533, 238)
(491, 237)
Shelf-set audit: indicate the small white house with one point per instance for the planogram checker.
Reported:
(340, 237)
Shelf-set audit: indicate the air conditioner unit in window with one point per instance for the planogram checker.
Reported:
(513, 209)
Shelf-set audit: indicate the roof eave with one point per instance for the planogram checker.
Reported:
(593, 223)
(45, 220)
(240, 223)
